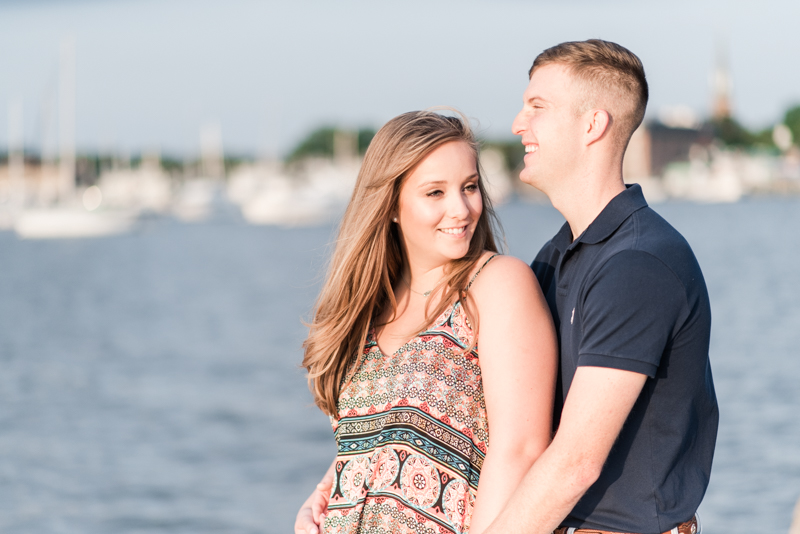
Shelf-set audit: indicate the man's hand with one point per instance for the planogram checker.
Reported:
(320, 498)
(311, 514)
(596, 407)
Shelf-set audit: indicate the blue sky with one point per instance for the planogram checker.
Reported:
(151, 73)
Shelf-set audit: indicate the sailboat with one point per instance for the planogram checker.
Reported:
(70, 217)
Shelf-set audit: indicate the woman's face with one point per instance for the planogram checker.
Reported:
(439, 206)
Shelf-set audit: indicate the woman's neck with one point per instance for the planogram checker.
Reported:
(422, 280)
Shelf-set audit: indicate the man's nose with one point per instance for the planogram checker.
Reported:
(518, 126)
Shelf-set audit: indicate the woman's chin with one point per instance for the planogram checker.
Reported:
(457, 253)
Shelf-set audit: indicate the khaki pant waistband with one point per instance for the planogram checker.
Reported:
(689, 527)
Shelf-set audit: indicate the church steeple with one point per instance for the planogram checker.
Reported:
(721, 86)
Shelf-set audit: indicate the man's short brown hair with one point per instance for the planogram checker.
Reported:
(609, 73)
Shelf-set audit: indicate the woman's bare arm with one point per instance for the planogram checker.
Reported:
(518, 358)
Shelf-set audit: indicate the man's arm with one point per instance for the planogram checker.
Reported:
(595, 410)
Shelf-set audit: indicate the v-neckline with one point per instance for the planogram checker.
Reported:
(450, 309)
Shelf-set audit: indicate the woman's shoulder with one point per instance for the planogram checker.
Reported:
(501, 275)
(496, 265)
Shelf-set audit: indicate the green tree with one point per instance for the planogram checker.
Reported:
(317, 143)
(792, 120)
(365, 136)
(320, 143)
(513, 151)
(763, 138)
(731, 133)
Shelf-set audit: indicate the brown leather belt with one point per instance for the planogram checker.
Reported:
(689, 527)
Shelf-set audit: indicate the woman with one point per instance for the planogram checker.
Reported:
(415, 286)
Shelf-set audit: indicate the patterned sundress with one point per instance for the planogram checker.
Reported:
(412, 435)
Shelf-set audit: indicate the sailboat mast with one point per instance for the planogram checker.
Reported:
(66, 121)
(16, 156)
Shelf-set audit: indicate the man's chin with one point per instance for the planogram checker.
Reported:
(530, 179)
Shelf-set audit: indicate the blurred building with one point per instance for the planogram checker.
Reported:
(655, 145)
(690, 163)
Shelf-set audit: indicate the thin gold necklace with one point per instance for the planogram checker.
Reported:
(425, 294)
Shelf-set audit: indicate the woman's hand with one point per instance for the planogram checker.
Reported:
(312, 512)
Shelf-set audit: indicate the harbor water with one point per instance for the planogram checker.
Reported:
(150, 382)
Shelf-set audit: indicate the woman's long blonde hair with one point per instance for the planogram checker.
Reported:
(367, 260)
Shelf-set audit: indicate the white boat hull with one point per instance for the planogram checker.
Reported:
(63, 223)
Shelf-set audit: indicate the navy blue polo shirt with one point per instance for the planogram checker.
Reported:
(628, 294)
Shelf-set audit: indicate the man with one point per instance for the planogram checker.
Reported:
(636, 402)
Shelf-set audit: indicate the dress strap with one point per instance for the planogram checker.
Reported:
(493, 256)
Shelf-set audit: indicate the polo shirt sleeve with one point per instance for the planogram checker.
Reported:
(629, 312)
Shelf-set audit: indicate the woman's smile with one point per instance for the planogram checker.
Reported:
(439, 206)
(457, 232)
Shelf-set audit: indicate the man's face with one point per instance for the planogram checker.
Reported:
(549, 126)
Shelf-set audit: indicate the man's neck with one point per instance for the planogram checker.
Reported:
(580, 206)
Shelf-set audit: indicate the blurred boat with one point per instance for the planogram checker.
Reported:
(71, 222)
(314, 193)
(146, 189)
(279, 203)
(709, 176)
(69, 214)
(199, 199)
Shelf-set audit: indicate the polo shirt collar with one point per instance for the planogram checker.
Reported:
(563, 238)
(605, 224)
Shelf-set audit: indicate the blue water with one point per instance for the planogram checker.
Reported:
(150, 382)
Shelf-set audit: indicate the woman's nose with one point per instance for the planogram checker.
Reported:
(458, 207)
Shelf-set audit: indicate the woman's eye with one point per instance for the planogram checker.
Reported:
(435, 193)
(471, 187)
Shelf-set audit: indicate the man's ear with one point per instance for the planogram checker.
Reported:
(597, 124)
